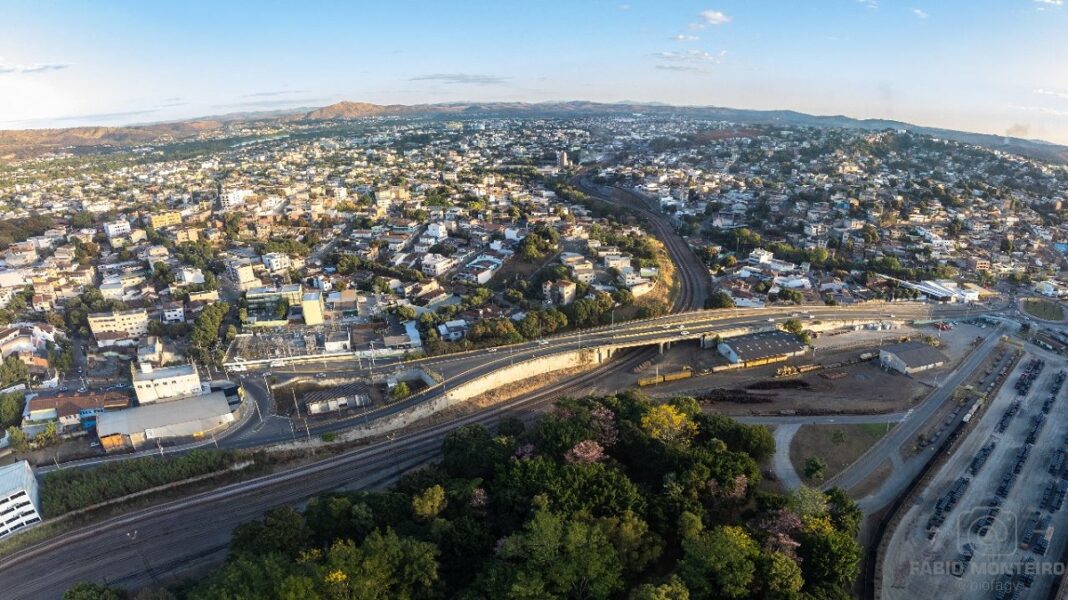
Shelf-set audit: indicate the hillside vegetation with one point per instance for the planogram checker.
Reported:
(609, 497)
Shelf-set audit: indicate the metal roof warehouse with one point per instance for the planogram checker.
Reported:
(766, 346)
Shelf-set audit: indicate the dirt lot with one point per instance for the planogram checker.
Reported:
(916, 567)
(837, 445)
(859, 388)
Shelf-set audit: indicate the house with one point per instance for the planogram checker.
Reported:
(173, 312)
(436, 265)
(453, 330)
(276, 261)
(561, 292)
(71, 410)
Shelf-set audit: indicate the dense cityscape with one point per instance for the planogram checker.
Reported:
(590, 301)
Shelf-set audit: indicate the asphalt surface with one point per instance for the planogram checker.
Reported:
(895, 442)
(183, 537)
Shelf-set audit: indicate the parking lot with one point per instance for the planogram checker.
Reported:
(991, 522)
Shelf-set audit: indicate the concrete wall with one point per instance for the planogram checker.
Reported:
(527, 369)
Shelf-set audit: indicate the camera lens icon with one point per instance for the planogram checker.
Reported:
(987, 531)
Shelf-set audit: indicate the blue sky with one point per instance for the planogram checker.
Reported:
(996, 66)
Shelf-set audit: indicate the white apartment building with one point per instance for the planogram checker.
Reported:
(132, 323)
(152, 384)
(234, 198)
(277, 261)
(116, 229)
(435, 265)
(18, 498)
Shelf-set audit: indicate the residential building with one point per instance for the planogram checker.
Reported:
(116, 229)
(164, 219)
(128, 323)
(277, 261)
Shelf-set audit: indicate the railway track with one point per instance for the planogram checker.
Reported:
(176, 538)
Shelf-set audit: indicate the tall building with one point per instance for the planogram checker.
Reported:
(18, 498)
(132, 323)
(234, 198)
(165, 219)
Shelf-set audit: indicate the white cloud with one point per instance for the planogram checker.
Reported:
(692, 56)
(680, 68)
(623, 7)
(869, 3)
(34, 68)
(1051, 2)
(919, 12)
(462, 78)
(1044, 110)
(714, 17)
(1054, 93)
(685, 38)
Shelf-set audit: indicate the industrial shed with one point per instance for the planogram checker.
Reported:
(337, 398)
(911, 357)
(761, 348)
(193, 416)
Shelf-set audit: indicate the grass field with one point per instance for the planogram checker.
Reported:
(837, 445)
(1047, 310)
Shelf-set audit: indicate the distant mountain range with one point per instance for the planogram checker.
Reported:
(24, 143)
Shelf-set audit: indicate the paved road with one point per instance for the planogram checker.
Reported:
(899, 438)
(775, 420)
(178, 538)
(780, 462)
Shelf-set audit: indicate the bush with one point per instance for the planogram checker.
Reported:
(70, 489)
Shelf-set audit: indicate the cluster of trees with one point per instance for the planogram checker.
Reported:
(642, 247)
(288, 246)
(539, 243)
(347, 264)
(13, 371)
(19, 230)
(65, 490)
(204, 339)
(719, 299)
(605, 497)
(11, 405)
(78, 309)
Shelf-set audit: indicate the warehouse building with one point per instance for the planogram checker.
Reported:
(758, 349)
(337, 398)
(911, 357)
(156, 384)
(195, 416)
(19, 504)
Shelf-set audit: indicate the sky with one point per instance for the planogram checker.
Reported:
(991, 66)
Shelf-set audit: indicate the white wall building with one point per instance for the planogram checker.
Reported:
(277, 261)
(151, 384)
(18, 498)
(116, 229)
